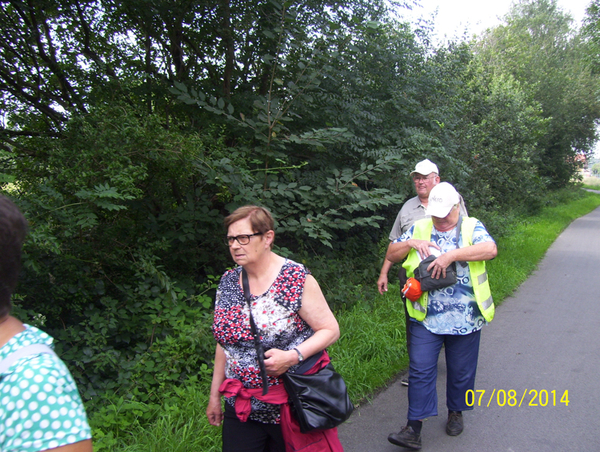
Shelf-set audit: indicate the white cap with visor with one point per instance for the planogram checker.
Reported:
(441, 200)
(425, 167)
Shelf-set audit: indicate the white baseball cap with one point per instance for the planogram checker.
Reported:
(442, 198)
(426, 167)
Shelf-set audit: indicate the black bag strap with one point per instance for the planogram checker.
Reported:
(308, 363)
(260, 353)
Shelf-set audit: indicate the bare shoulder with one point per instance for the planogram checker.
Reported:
(312, 289)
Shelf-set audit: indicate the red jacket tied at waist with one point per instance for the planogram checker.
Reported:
(295, 440)
(231, 387)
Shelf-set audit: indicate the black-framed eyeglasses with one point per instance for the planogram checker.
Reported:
(242, 239)
(422, 178)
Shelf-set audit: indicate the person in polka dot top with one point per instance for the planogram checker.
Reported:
(40, 406)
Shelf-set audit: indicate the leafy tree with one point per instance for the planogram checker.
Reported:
(591, 34)
(498, 138)
(130, 129)
(125, 187)
(538, 47)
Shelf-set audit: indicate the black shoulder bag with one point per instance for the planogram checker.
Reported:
(424, 276)
(318, 401)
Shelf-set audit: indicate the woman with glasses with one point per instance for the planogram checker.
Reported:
(293, 321)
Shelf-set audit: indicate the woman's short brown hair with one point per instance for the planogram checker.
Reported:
(260, 218)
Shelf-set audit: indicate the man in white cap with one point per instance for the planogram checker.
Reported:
(450, 316)
(425, 176)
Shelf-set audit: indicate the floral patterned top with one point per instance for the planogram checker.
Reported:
(276, 316)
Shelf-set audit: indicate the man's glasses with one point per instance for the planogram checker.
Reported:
(243, 239)
(421, 178)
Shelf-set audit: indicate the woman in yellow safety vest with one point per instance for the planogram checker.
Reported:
(450, 316)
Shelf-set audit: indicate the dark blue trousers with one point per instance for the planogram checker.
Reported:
(461, 365)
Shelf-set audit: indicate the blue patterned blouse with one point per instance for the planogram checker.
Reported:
(453, 309)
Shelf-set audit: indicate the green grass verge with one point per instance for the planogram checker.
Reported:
(372, 346)
(182, 428)
(179, 424)
(369, 354)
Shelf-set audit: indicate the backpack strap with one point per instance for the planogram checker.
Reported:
(33, 349)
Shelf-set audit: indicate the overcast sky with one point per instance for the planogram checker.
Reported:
(477, 15)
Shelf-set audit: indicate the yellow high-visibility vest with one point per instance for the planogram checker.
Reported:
(479, 278)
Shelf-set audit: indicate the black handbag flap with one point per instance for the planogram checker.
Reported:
(318, 401)
(424, 276)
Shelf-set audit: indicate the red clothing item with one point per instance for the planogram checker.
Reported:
(231, 387)
(295, 440)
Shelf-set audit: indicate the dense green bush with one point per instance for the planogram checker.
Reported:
(372, 333)
(126, 154)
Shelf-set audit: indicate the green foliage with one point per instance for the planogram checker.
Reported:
(109, 253)
(176, 422)
(499, 139)
(126, 154)
(538, 47)
(591, 35)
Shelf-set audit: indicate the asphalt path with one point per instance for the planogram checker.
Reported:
(543, 343)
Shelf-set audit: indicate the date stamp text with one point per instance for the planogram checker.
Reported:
(510, 397)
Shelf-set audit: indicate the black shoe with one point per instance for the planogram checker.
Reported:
(454, 426)
(406, 438)
(404, 380)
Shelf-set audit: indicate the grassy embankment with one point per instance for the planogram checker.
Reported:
(370, 352)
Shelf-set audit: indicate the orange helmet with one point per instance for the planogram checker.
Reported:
(412, 289)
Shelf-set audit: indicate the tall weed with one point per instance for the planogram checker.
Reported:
(178, 424)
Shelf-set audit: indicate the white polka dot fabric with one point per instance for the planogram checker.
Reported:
(40, 406)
